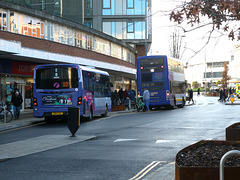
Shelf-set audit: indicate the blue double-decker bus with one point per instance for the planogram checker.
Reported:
(164, 78)
(57, 87)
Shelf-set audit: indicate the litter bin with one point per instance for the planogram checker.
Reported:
(73, 119)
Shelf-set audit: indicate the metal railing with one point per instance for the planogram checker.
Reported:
(223, 160)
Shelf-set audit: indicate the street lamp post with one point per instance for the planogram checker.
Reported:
(205, 75)
(145, 27)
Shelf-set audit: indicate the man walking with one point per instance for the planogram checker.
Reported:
(17, 102)
(146, 98)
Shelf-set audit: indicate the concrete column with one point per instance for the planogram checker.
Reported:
(97, 15)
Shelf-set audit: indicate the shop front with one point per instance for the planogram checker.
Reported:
(16, 75)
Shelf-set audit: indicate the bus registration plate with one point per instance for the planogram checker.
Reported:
(57, 113)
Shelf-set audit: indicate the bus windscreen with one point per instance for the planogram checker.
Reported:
(151, 69)
(57, 78)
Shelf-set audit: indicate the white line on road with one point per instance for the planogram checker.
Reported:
(123, 140)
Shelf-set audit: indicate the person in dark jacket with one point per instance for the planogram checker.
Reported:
(190, 96)
(17, 102)
(120, 93)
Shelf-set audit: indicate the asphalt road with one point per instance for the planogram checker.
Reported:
(123, 145)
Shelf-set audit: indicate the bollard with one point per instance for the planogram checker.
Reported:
(73, 119)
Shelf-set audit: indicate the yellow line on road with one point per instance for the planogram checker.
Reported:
(14, 129)
(146, 170)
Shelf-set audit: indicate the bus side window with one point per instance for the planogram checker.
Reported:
(88, 81)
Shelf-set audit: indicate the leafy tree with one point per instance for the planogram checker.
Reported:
(225, 76)
(219, 12)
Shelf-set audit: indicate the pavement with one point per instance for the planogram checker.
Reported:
(235, 102)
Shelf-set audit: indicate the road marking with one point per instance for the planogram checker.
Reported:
(38, 144)
(23, 127)
(164, 141)
(123, 140)
(146, 170)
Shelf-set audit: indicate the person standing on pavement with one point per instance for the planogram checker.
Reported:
(17, 102)
(120, 93)
(198, 92)
(229, 93)
(221, 94)
(191, 96)
(146, 98)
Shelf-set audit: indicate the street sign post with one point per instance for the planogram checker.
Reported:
(73, 119)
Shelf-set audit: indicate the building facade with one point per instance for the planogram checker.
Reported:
(29, 37)
(206, 72)
(129, 20)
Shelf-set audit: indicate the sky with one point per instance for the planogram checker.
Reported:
(219, 49)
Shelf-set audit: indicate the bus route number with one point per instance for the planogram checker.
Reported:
(65, 84)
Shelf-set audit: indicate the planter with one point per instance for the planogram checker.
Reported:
(233, 132)
(201, 161)
(118, 107)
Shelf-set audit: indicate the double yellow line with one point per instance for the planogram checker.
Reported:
(146, 170)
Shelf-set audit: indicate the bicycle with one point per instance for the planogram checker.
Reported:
(6, 114)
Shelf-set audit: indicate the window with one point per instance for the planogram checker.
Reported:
(130, 27)
(178, 87)
(146, 77)
(88, 79)
(130, 4)
(3, 19)
(88, 42)
(14, 22)
(106, 4)
(101, 86)
(107, 28)
(57, 78)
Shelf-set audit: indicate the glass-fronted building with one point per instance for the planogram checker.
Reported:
(129, 20)
(72, 10)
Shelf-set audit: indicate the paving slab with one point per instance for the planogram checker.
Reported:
(38, 144)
